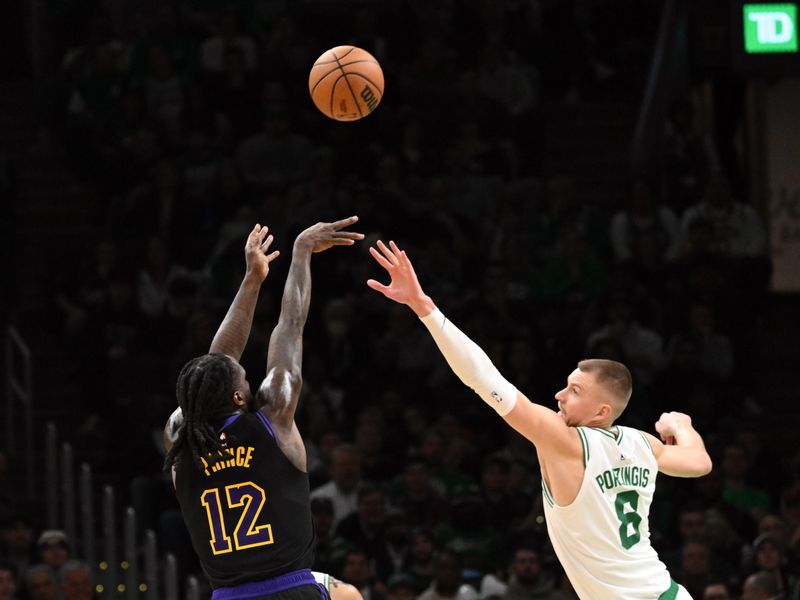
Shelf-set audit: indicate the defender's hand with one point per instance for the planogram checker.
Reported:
(322, 236)
(255, 252)
(404, 286)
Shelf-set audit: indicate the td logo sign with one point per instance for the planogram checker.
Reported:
(770, 28)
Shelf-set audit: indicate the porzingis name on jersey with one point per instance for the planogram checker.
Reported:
(239, 457)
(623, 477)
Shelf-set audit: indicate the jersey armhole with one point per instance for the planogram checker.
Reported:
(268, 425)
(584, 445)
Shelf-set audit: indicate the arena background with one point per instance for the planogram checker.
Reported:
(572, 178)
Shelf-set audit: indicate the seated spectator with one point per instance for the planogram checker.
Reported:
(687, 155)
(644, 219)
(760, 586)
(356, 570)
(16, 539)
(714, 351)
(416, 495)
(695, 571)
(419, 561)
(737, 488)
(53, 548)
(528, 579)
(228, 35)
(736, 228)
(447, 583)
(716, 591)
(330, 550)
(642, 346)
(41, 583)
(277, 156)
(401, 587)
(768, 556)
(8, 580)
(76, 581)
(342, 489)
(467, 533)
(364, 527)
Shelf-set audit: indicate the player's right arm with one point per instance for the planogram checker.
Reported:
(279, 393)
(685, 453)
(537, 423)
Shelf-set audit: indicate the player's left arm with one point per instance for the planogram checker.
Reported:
(280, 391)
(684, 454)
(232, 335)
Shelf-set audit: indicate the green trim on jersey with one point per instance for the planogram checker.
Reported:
(671, 593)
(546, 494)
(646, 441)
(585, 444)
(615, 433)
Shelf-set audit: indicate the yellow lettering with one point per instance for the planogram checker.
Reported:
(240, 456)
(205, 467)
(248, 457)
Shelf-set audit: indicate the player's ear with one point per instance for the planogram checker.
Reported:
(238, 400)
(605, 411)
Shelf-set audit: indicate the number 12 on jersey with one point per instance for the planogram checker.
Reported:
(246, 534)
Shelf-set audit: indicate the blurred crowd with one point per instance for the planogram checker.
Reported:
(191, 121)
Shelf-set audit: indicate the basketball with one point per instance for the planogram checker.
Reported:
(346, 83)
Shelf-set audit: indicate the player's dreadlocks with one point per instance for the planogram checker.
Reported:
(204, 386)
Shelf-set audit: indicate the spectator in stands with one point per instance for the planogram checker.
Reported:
(16, 539)
(401, 587)
(687, 156)
(716, 591)
(768, 556)
(494, 485)
(41, 583)
(330, 550)
(467, 532)
(227, 35)
(8, 580)
(364, 528)
(276, 157)
(528, 579)
(342, 489)
(737, 488)
(643, 346)
(713, 350)
(420, 560)
(695, 571)
(76, 581)
(356, 570)
(760, 586)
(736, 228)
(447, 581)
(416, 495)
(53, 548)
(644, 221)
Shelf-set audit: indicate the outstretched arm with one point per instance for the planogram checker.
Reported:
(537, 423)
(684, 454)
(232, 335)
(280, 390)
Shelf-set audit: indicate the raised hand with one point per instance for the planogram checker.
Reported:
(404, 286)
(255, 252)
(669, 424)
(322, 236)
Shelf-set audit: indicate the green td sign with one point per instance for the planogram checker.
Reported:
(770, 28)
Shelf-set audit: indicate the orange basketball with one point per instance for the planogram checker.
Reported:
(346, 83)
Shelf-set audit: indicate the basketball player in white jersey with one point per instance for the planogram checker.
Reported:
(598, 478)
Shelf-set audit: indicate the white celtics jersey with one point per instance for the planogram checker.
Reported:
(603, 538)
